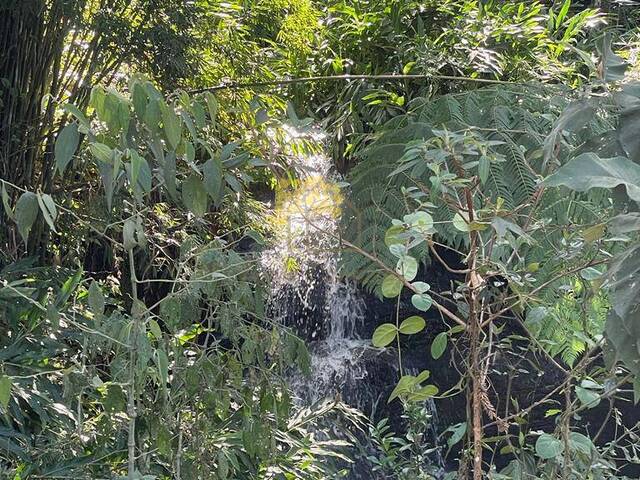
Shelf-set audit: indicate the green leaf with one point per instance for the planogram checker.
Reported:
(26, 213)
(422, 301)
(101, 152)
(384, 335)
(422, 222)
(172, 125)
(140, 176)
(407, 68)
(394, 235)
(424, 393)
(199, 114)
(581, 443)
(163, 366)
(587, 397)
(391, 286)
(588, 171)
(223, 465)
(140, 99)
(548, 447)
(407, 267)
(412, 325)
(66, 145)
(155, 329)
(405, 385)
(194, 196)
(169, 174)
(421, 287)
(614, 66)
(213, 178)
(573, 117)
(152, 114)
(85, 125)
(457, 433)
(483, 168)
(96, 299)
(398, 250)
(625, 223)
(461, 223)
(48, 209)
(5, 391)
(439, 345)
(212, 105)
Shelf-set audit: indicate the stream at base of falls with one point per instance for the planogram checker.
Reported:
(326, 311)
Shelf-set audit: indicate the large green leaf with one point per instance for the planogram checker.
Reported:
(213, 178)
(48, 209)
(66, 145)
(574, 117)
(629, 123)
(622, 330)
(194, 195)
(172, 125)
(589, 171)
(548, 447)
(26, 213)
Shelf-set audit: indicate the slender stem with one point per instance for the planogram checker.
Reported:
(133, 336)
(473, 282)
(566, 429)
(398, 336)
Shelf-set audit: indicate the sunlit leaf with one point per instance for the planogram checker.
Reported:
(391, 286)
(412, 325)
(384, 335)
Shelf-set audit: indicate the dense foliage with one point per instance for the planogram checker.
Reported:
(142, 144)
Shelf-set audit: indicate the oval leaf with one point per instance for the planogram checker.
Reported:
(384, 335)
(421, 301)
(391, 286)
(548, 447)
(439, 345)
(393, 235)
(407, 267)
(412, 325)
(26, 213)
(461, 223)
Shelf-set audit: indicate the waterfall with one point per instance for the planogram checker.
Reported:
(308, 295)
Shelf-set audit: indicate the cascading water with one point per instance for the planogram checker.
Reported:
(308, 295)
